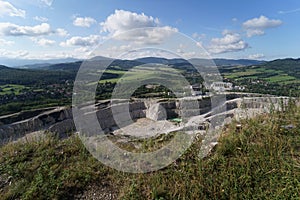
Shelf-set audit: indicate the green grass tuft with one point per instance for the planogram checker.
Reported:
(259, 161)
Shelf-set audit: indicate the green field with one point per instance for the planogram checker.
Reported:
(283, 78)
(138, 74)
(268, 75)
(11, 89)
(238, 74)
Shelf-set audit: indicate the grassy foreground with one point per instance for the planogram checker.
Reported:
(259, 161)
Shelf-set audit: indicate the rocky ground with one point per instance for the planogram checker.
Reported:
(97, 192)
(144, 128)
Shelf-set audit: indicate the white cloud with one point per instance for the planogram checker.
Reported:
(120, 49)
(261, 23)
(199, 44)
(229, 38)
(40, 19)
(256, 56)
(234, 19)
(188, 52)
(230, 42)
(5, 42)
(289, 11)
(7, 8)
(198, 36)
(227, 32)
(45, 55)
(43, 42)
(123, 20)
(257, 26)
(47, 2)
(91, 40)
(13, 54)
(184, 54)
(189, 55)
(84, 22)
(83, 53)
(61, 32)
(138, 28)
(254, 32)
(147, 36)
(82, 50)
(9, 29)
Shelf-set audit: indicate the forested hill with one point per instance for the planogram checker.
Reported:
(29, 76)
(67, 71)
(289, 66)
(278, 77)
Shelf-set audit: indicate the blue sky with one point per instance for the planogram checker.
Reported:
(46, 29)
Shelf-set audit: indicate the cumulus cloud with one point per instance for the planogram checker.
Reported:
(8, 9)
(120, 49)
(123, 20)
(40, 19)
(257, 26)
(13, 54)
(230, 42)
(84, 21)
(6, 42)
(43, 42)
(133, 27)
(185, 54)
(199, 44)
(91, 40)
(61, 32)
(254, 32)
(198, 36)
(188, 52)
(147, 36)
(256, 56)
(9, 29)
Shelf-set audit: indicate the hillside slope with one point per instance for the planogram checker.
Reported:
(260, 160)
(278, 77)
(29, 76)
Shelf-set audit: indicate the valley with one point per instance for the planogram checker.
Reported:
(37, 116)
(149, 100)
(25, 89)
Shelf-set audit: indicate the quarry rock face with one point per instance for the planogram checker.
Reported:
(57, 121)
(112, 117)
(156, 112)
(63, 127)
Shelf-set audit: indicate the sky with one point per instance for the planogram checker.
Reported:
(52, 29)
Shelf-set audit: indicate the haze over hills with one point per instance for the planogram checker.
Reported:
(289, 65)
(48, 64)
(68, 70)
(33, 63)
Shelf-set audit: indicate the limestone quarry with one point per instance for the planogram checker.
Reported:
(147, 117)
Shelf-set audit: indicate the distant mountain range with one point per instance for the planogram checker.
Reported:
(73, 64)
(203, 62)
(68, 70)
(35, 64)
